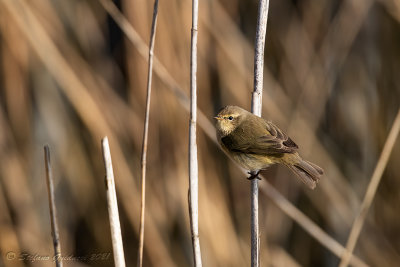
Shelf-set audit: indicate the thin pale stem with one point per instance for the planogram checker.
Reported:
(193, 164)
(52, 207)
(371, 190)
(116, 237)
(255, 232)
(146, 133)
(256, 105)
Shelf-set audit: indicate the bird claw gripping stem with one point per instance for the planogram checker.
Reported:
(254, 175)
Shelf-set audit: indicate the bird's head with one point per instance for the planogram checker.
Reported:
(228, 119)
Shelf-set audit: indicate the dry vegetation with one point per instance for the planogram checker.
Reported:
(71, 75)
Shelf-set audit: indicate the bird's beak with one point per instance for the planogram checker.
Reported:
(218, 118)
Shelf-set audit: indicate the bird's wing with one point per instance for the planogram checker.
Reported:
(269, 140)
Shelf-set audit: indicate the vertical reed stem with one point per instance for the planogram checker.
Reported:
(256, 107)
(52, 207)
(193, 164)
(146, 134)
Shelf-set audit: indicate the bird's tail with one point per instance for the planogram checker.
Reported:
(308, 172)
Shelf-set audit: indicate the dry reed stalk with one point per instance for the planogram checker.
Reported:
(193, 163)
(256, 107)
(146, 133)
(116, 238)
(52, 207)
(371, 191)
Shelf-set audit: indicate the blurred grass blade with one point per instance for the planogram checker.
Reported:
(371, 191)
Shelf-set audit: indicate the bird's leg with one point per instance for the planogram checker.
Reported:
(254, 175)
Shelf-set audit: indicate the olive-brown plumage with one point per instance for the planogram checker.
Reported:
(256, 144)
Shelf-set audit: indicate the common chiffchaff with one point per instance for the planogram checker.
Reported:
(255, 144)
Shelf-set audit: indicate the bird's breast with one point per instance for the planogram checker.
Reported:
(252, 162)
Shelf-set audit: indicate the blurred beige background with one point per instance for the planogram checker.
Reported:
(69, 76)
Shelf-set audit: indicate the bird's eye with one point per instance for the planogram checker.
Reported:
(230, 118)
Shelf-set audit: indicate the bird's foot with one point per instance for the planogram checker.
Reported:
(254, 175)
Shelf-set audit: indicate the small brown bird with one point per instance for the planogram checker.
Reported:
(255, 144)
